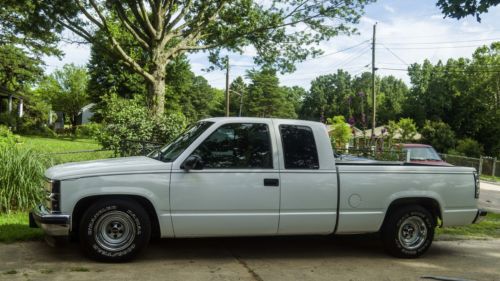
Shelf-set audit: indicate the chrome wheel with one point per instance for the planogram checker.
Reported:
(412, 233)
(115, 231)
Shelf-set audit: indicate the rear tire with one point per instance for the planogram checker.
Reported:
(114, 230)
(408, 232)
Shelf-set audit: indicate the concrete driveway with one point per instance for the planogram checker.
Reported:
(489, 198)
(257, 259)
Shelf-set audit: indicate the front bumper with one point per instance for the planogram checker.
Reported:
(480, 215)
(52, 224)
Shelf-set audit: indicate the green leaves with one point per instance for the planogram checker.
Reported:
(21, 177)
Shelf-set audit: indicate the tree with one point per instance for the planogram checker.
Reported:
(469, 147)
(266, 98)
(461, 8)
(439, 135)
(407, 129)
(391, 95)
(184, 91)
(464, 93)
(165, 29)
(295, 95)
(238, 95)
(18, 71)
(67, 89)
(26, 24)
(328, 96)
(341, 133)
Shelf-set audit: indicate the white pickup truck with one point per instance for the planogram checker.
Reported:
(249, 177)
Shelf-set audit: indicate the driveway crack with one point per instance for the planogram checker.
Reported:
(252, 273)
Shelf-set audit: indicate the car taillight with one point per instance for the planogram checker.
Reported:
(476, 185)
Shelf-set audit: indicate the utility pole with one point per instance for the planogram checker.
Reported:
(227, 86)
(374, 98)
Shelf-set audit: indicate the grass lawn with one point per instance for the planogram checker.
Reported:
(52, 146)
(488, 228)
(490, 178)
(15, 227)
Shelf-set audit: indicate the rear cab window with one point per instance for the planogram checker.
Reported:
(299, 147)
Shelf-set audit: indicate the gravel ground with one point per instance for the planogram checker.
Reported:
(256, 259)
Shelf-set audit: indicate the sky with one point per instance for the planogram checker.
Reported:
(408, 31)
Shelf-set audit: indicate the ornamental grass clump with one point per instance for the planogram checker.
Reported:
(21, 177)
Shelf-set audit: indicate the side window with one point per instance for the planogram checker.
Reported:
(299, 147)
(237, 146)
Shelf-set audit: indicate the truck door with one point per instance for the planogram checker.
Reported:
(308, 180)
(236, 189)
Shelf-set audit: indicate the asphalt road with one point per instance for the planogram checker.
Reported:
(489, 198)
(257, 259)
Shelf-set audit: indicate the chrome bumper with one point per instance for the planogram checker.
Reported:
(481, 214)
(52, 224)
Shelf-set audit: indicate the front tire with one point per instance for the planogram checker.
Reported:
(408, 232)
(114, 230)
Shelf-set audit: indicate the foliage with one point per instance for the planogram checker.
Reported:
(439, 135)
(463, 93)
(341, 133)
(7, 137)
(14, 226)
(21, 177)
(459, 9)
(342, 94)
(469, 147)
(18, 70)
(184, 91)
(164, 30)
(67, 89)
(25, 24)
(266, 98)
(128, 120)
(328, 96)
(10, 120)
(238, 94)
(89, 130)
(407, 129)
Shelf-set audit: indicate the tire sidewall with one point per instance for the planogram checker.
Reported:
(88, 228)
(428, 240)
(391, 232)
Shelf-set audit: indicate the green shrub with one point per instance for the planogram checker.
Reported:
(127, 123)
(469, 147)
(7, 137)
(21, 177)
(10, 120)
(89, 130)
(439, 135)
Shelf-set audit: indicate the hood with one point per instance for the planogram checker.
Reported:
(112, 166)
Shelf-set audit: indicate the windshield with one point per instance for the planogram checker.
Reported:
(171, 151)
(422, 153)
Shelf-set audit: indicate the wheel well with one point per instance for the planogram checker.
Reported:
(429, 204)
(86, 202)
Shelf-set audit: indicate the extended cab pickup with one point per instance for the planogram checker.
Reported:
(249, 177)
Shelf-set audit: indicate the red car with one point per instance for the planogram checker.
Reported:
(423, 154)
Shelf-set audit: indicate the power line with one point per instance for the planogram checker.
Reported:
(447, 70)
(394, 54)
(440, 42)
(437, 47)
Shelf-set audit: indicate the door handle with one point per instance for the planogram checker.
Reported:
(271, 182)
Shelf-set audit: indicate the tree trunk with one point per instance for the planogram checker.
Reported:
(156, 89)
(156, 93)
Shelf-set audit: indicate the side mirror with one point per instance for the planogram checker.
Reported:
(193, 162)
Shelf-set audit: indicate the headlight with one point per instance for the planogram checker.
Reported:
(53, 191)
